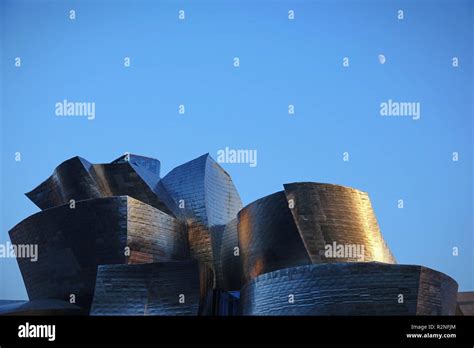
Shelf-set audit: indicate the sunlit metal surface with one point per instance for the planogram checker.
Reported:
(326, 214)
(268, 237)
(296, 227)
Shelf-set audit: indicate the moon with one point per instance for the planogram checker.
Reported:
(382, 59)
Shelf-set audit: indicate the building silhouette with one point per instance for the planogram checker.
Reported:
(117, 239)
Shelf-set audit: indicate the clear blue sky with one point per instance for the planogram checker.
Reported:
(283, 62)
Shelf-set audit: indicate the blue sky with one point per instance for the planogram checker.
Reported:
(282, 62)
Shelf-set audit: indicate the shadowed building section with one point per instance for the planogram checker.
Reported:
(77, 179)
(163, 288)
(332, 216)
(353, 288)
(268, 237)
(221, 303)
(38, 307)
(227, 261)
(465, 304)
(73, 242)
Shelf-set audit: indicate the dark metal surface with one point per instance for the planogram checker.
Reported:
(73, 242)
(148, 289)
(227, 261)
(465, 303)
(77, 179)
(39, 307)
(353, 288)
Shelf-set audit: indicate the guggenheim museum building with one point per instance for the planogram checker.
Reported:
(119, 239)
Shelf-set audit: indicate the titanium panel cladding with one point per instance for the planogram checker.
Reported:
(352, 288)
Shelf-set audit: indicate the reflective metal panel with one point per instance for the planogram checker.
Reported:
(164, 288)
(205, 197)
(268, 237)
(203, 191)
(77, 179)
(332, 218)
(352, 288)
(73, 242)
(227, 260)
(306, 250)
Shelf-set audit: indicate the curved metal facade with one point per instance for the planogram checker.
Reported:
(227, 260)
(77, 179)
(73, 242)
(203, 192)
(353, 288)
(164, 288)
(328, 215)
(309, 223)
(205, 197)
(152, 237)
(268, 237)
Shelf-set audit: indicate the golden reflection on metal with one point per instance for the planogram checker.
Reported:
(322, 214)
